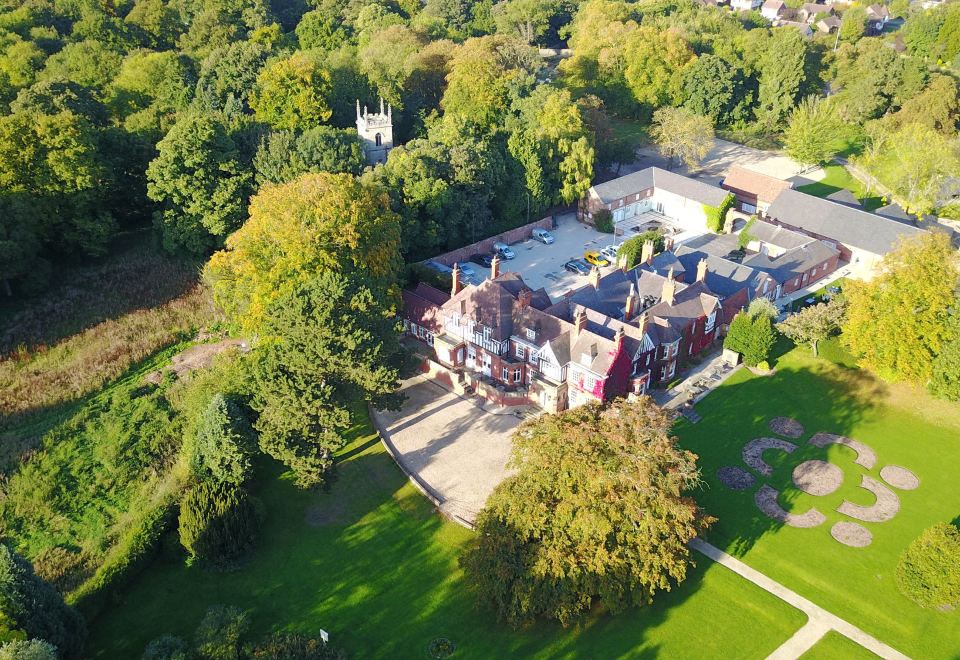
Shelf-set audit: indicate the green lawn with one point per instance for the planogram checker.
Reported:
(377, 568)
(834, 646)
(837, 178)
(904, 426)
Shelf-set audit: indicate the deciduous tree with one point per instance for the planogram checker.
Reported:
(681, 134)
(813, 324)
(292, 93)
(815, 133)
(599, 509)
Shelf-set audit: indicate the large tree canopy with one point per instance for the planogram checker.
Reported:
(599, 508)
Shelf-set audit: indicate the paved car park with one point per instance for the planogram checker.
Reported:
(542, 265)
(454, 448)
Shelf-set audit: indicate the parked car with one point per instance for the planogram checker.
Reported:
(542, 235)
(595, 258)
(482, 259)
(468, 274)
(578, 267)
(439, 267)
(610, 252)
(503, 250)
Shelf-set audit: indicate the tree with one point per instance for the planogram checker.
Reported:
(937, 107)
(713, 88)
(751, 336)
(927, 572)
(655, 64)
(813, 324)
(157, 20)
(332, 344)
(199, 182)
(854, 24)
(284, 156)
(815, 134)
(221, 633)
(899, 322)
(319, 29)
(218, 522)
(527, 19)
(229, 73)
(294, 646)
(167, 647)
(921, 31)
(681, 134)
(918, 162)
(32, 649)
(222, 451)
(317, 223)
(36, 608)
(945, 381)
(763, 307)
(609, 147)
(597, 510)
(782, 75)
(292, 93)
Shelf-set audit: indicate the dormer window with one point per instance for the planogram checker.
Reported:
(531, 334)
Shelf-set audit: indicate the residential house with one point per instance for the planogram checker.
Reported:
(862, 238)
(772, 9)
(828, 25)
(745, 5)
(810, 10)
(801, 27)
(754, 191)
(657, 190)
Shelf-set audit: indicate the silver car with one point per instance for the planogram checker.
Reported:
(610, 252)
(542, 235)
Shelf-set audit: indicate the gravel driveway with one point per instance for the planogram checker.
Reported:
(455, 449)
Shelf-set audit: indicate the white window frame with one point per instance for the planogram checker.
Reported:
(521, 352)
(531, 334)
(517, 375)
(505, 374)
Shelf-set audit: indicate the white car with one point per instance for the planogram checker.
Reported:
(610, 252)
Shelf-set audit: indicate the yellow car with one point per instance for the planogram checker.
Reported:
(595, 258)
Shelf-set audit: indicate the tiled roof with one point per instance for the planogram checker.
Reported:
(724, 277)
(852, 227)
(421, 306)
(844, 196)
(654, 177)
(792, 262)
(784, 238)
(764, 188)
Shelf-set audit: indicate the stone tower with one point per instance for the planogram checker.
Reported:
(376, 133)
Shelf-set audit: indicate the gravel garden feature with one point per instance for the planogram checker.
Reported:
(735, 478)
(753, 453)
(885, 508)
(899, 477)
(817, 477)
(865, 455)
(852, 534)
(786, 426)
(766, 500)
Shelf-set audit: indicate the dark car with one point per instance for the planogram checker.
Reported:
(578, 266)
(483, 259)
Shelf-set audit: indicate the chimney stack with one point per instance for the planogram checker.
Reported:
(622, 263)
(595, 277)
(580, 320)
(702, 270)
(642, 321)
(455, 276)
(668, 294)
(668, 244)
(618, 337)
(646, 252)
(495, 267)
(632, 303)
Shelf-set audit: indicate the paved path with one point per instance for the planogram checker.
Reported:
(820, 620)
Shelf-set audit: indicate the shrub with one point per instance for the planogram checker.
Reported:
(717, 215)
(763, 365)
(32, 649)
(929, 569)
(752, 337)
(167, 647)
(220, 634)
(292, 646)
(222, 452)
(603, 221)
(61, 567)
(416, 273)
(218, 522)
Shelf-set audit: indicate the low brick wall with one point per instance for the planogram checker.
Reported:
(486, 245)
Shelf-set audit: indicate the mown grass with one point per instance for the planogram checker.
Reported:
(834, 646)
(377, 569)
(903, 425)
(838, 178)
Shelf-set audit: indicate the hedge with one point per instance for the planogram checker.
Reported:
(717, 215)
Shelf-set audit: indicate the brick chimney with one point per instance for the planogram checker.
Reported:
(633, 301)
(580, 321)
(524, 298)
(495, 267)
(595, 277)
(668, 244)
(643, 321)
(646, 252)
(618, 337)
(457, 287)
(622, 263)
(669, 292)
(702, 271)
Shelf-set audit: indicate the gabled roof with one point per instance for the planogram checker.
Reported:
(851, 227)
(786, 239)
(422, 306)
(724, 278)
(490, 303)
(793, 262)
(654, 177)
(690, 303)
(776, 5)
(764, 188)
(844, 196)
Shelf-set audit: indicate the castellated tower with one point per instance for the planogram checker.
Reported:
(376, 133)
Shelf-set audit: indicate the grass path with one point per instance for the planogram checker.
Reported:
(377, 568)
(837, 178)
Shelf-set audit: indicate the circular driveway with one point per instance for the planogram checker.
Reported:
(457, 451)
